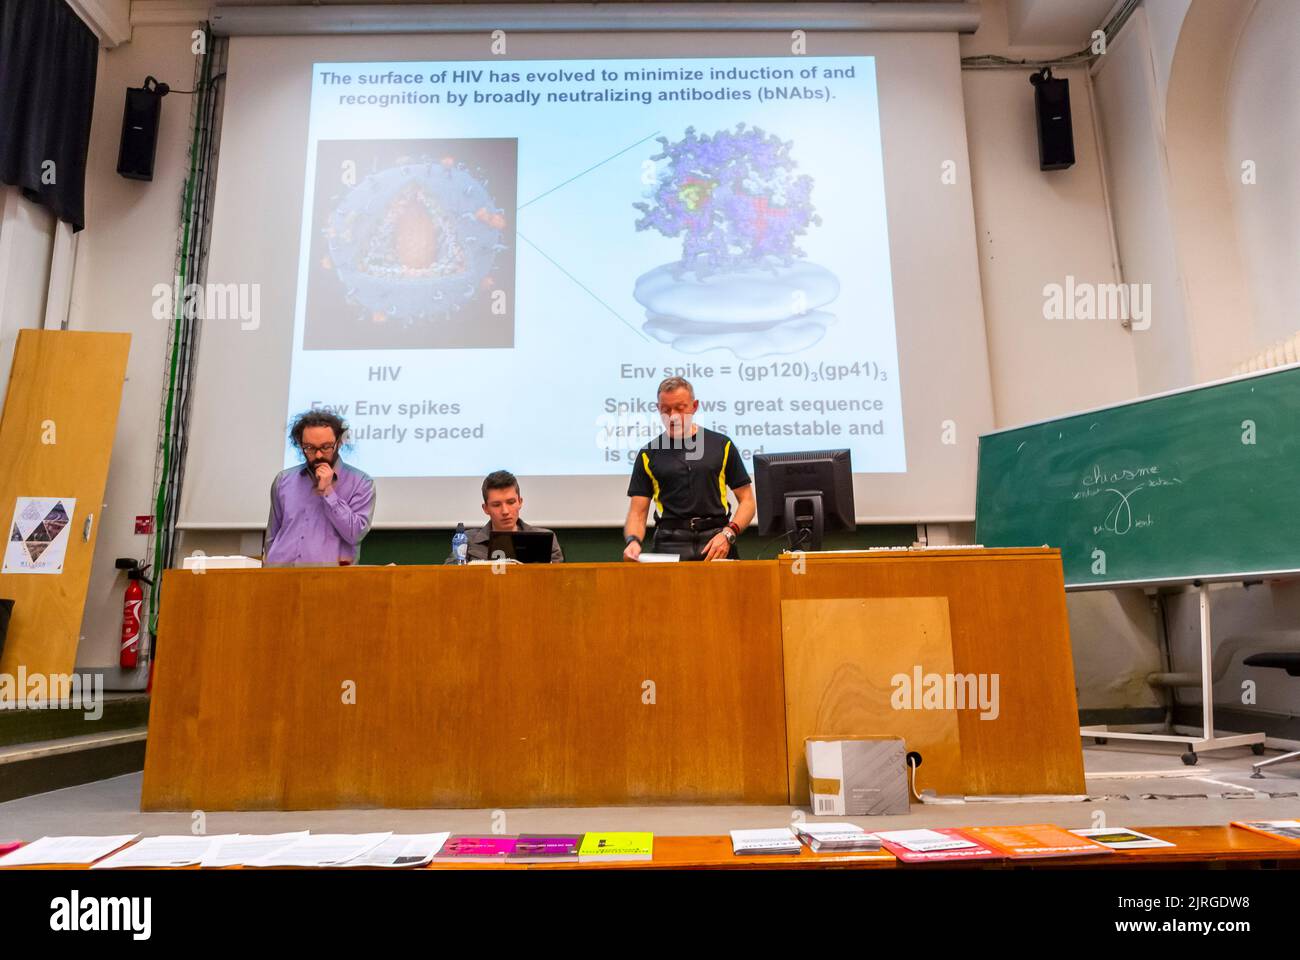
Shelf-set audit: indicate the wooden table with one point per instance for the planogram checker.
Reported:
(1196, 846)
(592, 684)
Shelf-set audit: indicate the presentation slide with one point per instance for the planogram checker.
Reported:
(500, 260)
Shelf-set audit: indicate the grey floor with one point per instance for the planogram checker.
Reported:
(1204, 794)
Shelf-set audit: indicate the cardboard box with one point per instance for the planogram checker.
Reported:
(856, 776)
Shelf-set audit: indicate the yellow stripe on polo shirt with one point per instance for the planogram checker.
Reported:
(645, 460)
(722, 476)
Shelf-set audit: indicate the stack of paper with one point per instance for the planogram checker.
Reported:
(921, 846)
(241, 848)
(824, 837)
(1278, 829)
(781, 840)
(401, 850)
(65, 850)
(321, 850)
(470, 847)
(546, 848)
(612, 847)
(1121, 838)
(180, 851)
(1034, 841)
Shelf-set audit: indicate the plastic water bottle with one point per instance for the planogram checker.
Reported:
(460, 544)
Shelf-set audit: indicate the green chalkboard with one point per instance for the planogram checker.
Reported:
(1198, 484)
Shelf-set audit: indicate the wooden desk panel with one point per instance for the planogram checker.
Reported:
(525, 688)
(1008, 617)
(840, 656)
(472, 688)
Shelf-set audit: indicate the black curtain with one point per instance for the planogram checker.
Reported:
(48, 58)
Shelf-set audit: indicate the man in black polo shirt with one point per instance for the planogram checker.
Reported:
(685, 473)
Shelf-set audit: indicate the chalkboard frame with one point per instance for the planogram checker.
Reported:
(1191, 576)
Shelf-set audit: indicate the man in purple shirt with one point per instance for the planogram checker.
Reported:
(321, 510)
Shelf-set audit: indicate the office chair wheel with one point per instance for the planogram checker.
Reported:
(1100, 741)
(1257, 749)
(1190, 758)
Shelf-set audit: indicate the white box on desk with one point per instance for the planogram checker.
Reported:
(856, 776)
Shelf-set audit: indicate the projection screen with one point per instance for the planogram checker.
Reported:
(485, 261)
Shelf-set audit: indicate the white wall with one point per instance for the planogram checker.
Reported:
(26, 244)
(1056, 226)
(1035, 228)
(1263, 126)
(1138, 176)
(1164, 23)
(129, 245)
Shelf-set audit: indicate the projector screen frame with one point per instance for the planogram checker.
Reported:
(953, 257)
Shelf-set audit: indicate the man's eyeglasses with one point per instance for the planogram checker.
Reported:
(325, 448)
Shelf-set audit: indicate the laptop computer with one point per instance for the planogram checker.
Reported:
(526, 546)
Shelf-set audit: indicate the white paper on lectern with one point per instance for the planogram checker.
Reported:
(242, 848)
(1144, 842)
(322, 850)
(70, 850)
(401, 850)
(775, 839)
(178, 851)
(924, 841)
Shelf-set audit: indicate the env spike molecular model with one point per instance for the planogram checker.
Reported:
(742, 283)
(733, 197)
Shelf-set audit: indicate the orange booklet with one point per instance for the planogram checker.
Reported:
(1288, 830)
(1035, 840)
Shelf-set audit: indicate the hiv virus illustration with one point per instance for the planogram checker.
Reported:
(415, 242)
(734, 197)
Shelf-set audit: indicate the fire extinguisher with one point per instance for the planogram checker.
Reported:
(132, 606)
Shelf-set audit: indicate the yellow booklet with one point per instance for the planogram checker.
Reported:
(609, 847)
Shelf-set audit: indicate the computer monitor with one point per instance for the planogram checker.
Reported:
(804, 494)
(526, 546)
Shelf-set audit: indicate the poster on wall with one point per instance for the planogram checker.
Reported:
(38, 537)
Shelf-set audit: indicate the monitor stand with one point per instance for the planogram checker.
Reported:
(804, 530)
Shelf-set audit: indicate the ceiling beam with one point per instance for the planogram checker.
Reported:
(960, 17)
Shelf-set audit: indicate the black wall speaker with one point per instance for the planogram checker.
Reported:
(143, 110)
(1055, 133)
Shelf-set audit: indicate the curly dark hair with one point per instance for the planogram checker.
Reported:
(317, 418)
